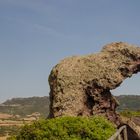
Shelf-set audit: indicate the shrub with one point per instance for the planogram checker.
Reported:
(67, 128)
(130, 113)
(10, 130)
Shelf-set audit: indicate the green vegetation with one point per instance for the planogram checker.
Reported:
(130, 113)
(129, 107)
(129, 102)
(67, 128)
(10, 130)
(26, 106)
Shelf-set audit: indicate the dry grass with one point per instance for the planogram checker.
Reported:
(5, 116)
(3, 138)
(8, 121)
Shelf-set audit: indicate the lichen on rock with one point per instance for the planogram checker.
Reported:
(80, 85)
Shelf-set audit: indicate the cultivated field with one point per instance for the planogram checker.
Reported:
(10, 124)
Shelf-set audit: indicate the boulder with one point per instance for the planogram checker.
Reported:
(80, 85)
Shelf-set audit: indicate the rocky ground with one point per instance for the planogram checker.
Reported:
(133, 127)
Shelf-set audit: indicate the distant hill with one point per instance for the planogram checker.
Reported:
(131, 102)
(26, 106)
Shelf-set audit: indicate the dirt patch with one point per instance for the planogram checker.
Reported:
(5, 116)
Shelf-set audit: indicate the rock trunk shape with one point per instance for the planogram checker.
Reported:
(80, 85)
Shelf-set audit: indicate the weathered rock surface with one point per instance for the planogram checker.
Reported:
(133, 127)
(80, 85)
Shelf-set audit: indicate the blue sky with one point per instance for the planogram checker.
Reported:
(36, 34)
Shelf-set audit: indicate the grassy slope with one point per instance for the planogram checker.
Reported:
(130, 102)
(26, 106)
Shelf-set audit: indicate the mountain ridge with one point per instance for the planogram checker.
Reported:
(29, 105)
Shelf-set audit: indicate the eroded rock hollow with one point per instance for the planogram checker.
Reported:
(80, 85)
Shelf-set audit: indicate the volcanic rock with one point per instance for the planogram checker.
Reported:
(133, 127)
(80, 85)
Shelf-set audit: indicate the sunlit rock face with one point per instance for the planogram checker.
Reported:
(80, 85)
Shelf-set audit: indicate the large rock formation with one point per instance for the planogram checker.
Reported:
(80, 85)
